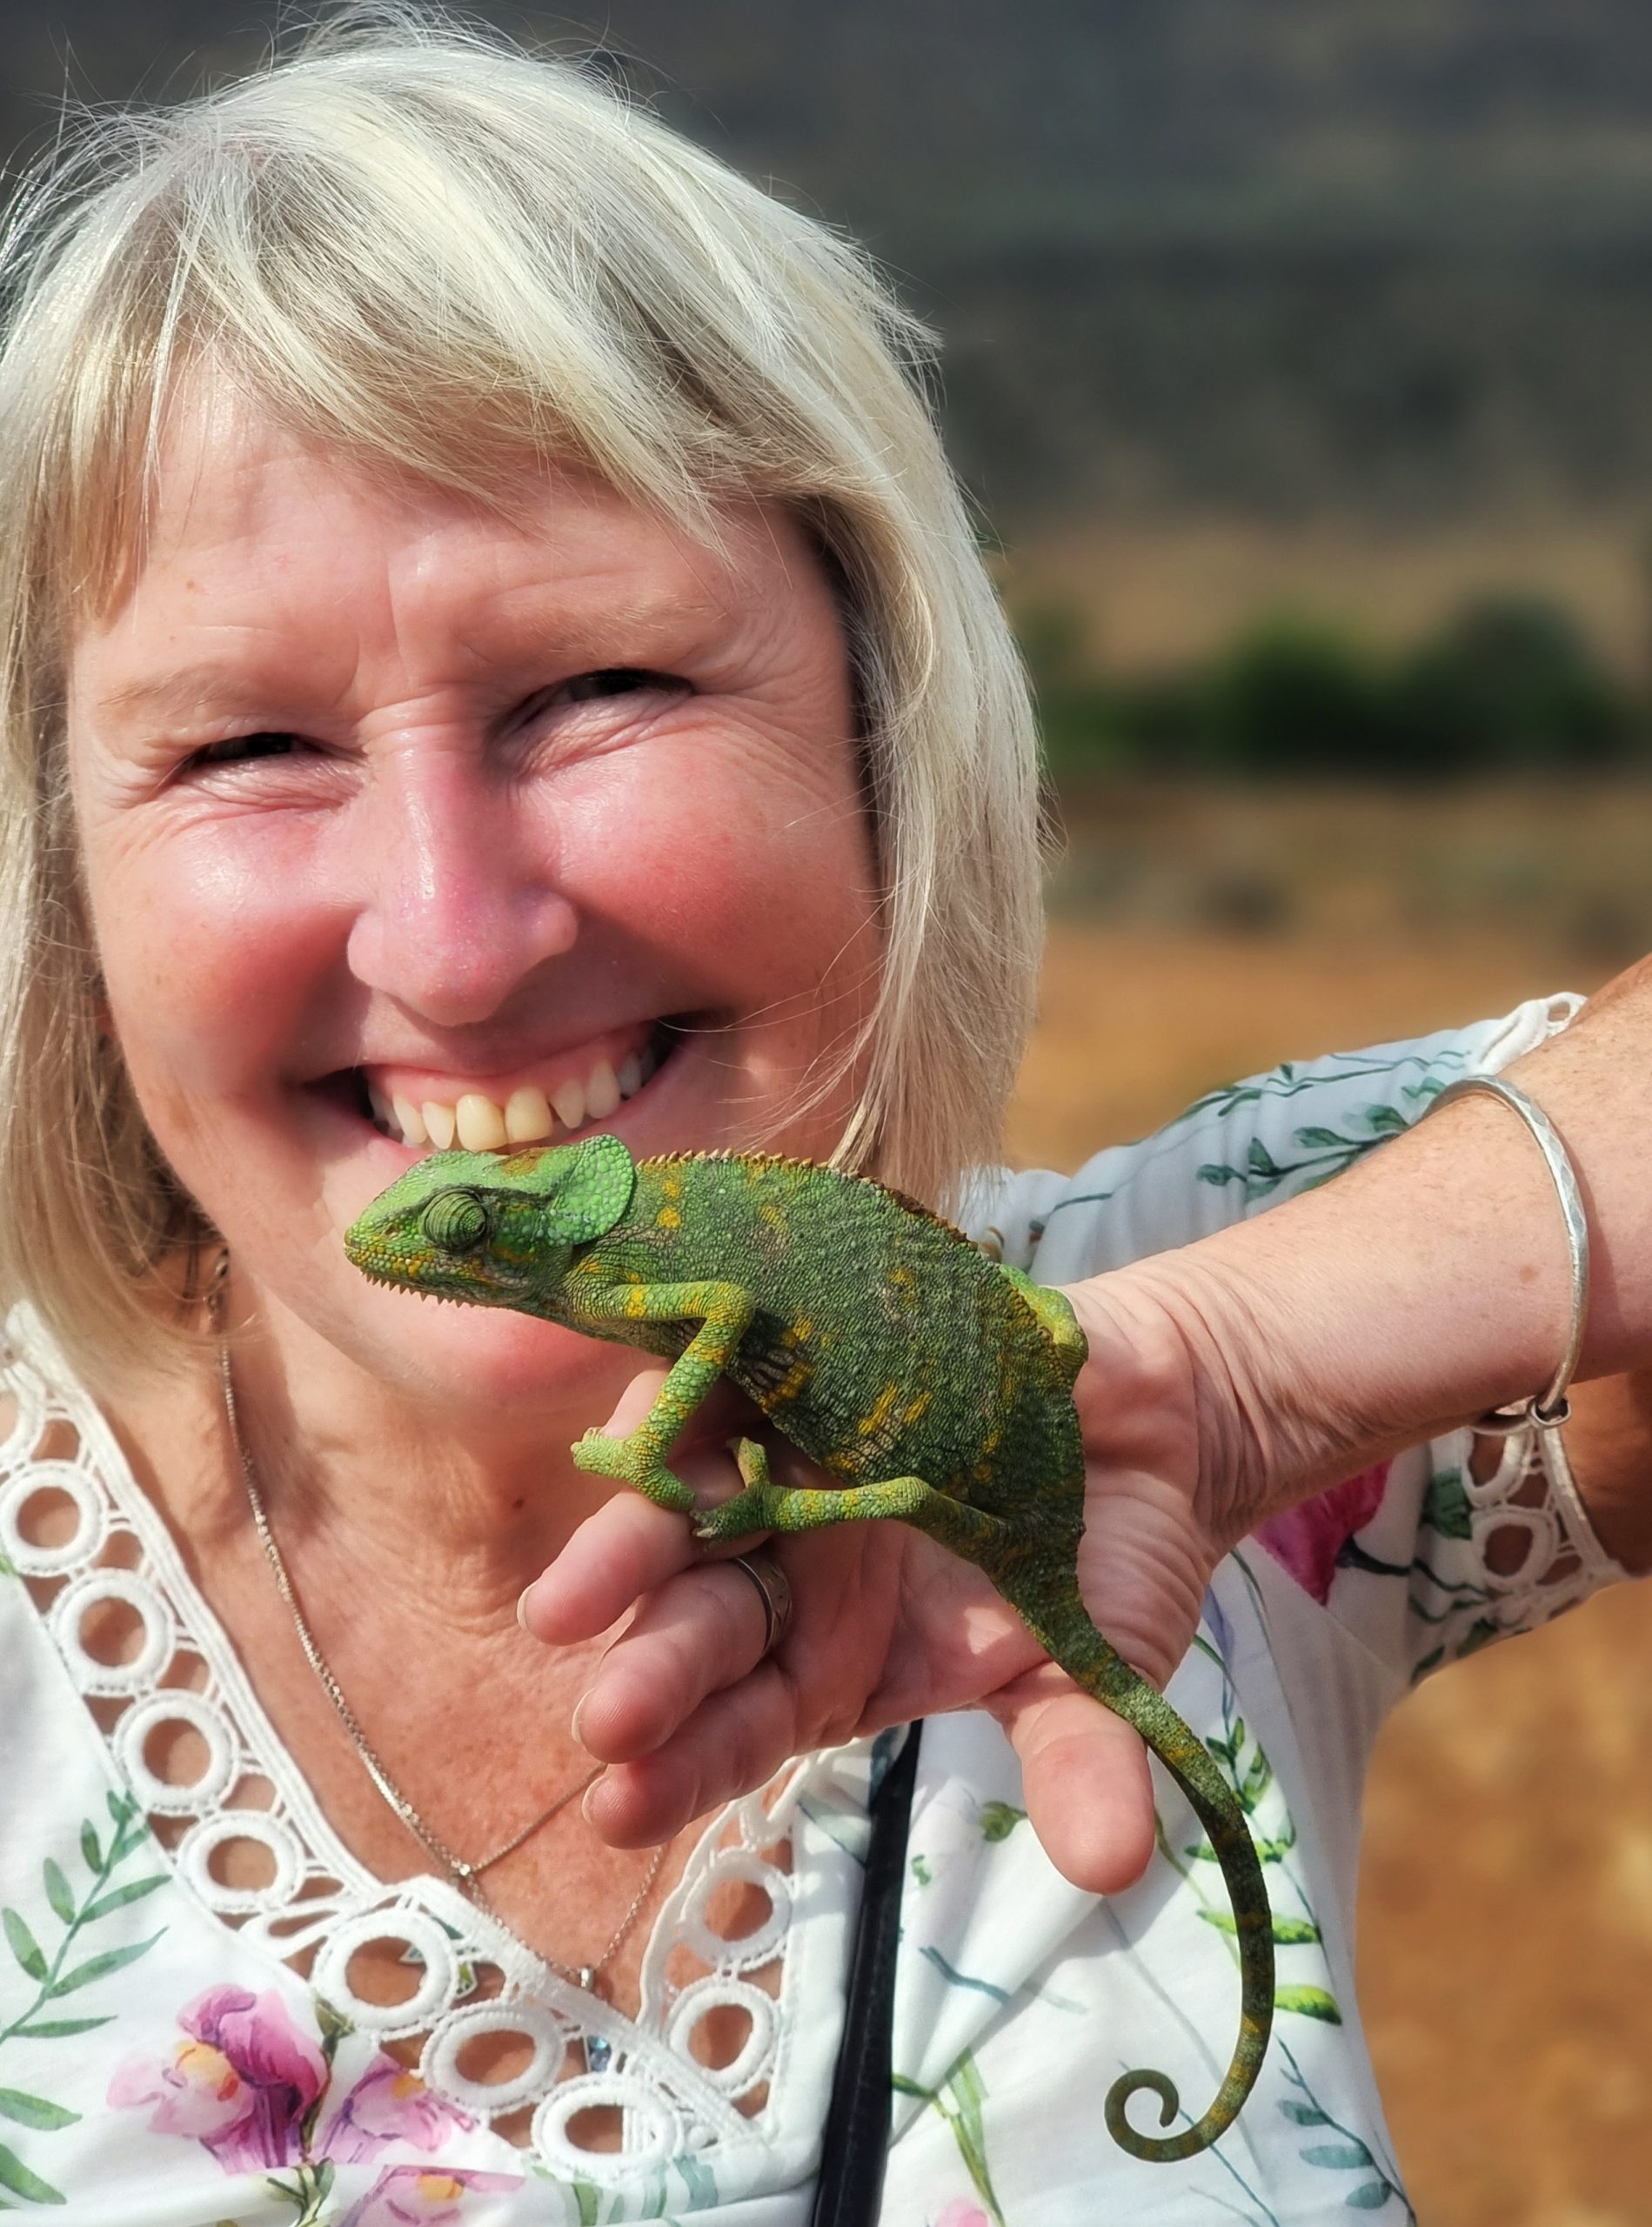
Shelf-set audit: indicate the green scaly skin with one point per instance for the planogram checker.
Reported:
(935, 1383)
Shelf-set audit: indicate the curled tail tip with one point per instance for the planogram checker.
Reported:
(1162, 2149)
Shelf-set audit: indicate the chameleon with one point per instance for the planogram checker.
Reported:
(935, 1383)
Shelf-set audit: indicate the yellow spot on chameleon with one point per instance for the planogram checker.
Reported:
(882, 1407)
(799, 1333)
(668, 1218)
(636, 1304)
(917, 1408)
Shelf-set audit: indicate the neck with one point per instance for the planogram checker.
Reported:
(453, 1509)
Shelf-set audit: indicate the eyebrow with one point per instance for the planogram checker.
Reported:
(194, 688)
(213, 689)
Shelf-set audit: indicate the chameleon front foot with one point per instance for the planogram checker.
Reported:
(631, 1464)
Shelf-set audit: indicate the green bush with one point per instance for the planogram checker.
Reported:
(1508, 683)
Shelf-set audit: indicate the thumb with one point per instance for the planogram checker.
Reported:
(1089, 1795)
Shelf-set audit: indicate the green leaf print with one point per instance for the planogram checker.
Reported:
(24, 1946)
(16, 2176)
(34, 2111)
(1346, 2154)
(958, 2100)
(99, 1968)
(999, 1819)
(1350, 2153)
(1288, 1932)
(1309, 2002)
(53, 2029)
(1445, 1506)
(118, 1897)
(60, 1977)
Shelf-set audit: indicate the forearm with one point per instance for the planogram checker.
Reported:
(1427, 1285)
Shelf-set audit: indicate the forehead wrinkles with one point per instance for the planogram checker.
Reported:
(588, 561)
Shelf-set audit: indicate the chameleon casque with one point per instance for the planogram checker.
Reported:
(934, 1382)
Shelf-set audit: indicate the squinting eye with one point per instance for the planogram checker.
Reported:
(457, 1222)
(612, 680)
(238, 749)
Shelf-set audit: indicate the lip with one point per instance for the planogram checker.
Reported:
(345, 1095)
(547, 1073)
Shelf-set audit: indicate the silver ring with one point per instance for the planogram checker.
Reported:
(773, 1589)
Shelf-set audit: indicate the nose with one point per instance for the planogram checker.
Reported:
(460, 901)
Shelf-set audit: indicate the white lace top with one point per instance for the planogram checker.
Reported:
(177, 2052)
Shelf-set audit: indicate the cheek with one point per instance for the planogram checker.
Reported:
(208, 947)
(747, 875)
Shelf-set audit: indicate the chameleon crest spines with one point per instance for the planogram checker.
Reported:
(934, 1384)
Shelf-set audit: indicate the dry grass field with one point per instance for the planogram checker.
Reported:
(1157, 590)
(1506, 1925)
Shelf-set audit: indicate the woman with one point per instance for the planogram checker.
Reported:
(495, 652)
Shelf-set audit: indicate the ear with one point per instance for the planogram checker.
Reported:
(590, 1197)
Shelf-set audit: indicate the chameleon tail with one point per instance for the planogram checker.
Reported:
(1073, 1642)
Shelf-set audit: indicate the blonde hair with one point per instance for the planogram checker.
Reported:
(432, 251)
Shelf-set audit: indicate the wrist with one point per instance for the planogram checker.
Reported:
(1425, 1287)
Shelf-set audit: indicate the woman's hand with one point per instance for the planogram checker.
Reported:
(889, 1626)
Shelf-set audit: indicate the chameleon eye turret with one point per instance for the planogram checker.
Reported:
(458, 1222)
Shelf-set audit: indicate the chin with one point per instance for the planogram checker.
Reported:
(488, 1361)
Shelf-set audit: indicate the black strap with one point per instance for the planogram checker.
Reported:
(855, 2146)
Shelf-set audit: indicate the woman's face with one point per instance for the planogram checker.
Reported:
(395, 814)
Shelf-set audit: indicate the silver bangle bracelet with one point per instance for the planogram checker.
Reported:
(1550, 1408)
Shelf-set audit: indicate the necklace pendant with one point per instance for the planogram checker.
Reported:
(600, 2053)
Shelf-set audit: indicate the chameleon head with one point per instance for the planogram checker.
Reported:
(495, 1229)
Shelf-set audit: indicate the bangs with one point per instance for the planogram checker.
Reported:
(446, 276)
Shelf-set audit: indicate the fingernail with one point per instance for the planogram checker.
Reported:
(522, 1607)
(573, 1722)
(584, 1807)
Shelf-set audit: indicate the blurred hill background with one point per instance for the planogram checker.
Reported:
(1297, 352)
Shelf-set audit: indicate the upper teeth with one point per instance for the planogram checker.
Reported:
(527, 1117)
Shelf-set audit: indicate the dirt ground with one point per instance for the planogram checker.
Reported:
(1506, 1918)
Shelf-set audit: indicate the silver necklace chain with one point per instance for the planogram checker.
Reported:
(466, 1876)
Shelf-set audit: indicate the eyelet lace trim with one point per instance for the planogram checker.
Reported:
(1532, 1535)
(475, 1983)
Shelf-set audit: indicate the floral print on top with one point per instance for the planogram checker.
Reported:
(179, 2054)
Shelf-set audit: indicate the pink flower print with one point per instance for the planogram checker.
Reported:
(960, 2212)
(413, 2195)
(389, 2104)
(240, 2083)
(1308, 1539)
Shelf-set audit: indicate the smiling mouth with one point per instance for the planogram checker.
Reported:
(546, 1111)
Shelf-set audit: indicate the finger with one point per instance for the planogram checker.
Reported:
(625, 1549)
(1089, 1795)
(733, 1744)
(696, 1635)
(629, 1546)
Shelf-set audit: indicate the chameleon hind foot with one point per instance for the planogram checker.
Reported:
(631, 1464)
(765, 1506)
(753, 1509)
